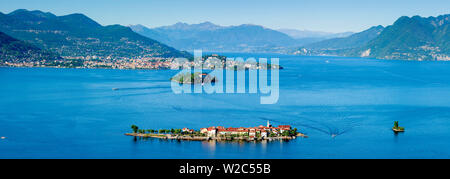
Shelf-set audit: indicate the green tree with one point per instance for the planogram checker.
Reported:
(135, 128)
(295, 131)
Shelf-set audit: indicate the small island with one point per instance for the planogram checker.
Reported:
(193, 78)
(261, 133)
(235, 65)
(397, 128)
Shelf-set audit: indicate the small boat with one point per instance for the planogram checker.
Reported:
(3, 138)
(115, 89)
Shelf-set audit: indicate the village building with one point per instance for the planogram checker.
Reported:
(252, 132)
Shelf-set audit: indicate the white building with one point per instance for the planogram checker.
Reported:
(212, 132)
(264, 134)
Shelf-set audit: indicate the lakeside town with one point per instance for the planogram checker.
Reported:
(148, 63)
(151, 63)
(260, 133)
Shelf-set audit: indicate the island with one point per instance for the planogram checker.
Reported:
(260, 133)
(236, 65)
(397, 128)
(193, 78)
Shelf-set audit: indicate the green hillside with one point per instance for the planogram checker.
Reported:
(13, 50)
(77, 35)
(353, 41)
(414, 38)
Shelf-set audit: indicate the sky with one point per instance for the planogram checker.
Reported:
(316, 15)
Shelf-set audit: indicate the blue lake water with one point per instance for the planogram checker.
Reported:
(74, 113)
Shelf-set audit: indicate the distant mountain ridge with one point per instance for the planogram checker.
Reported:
(339, 46)
(42, 35)
(210, 37)
(302, 34)
(352, 41)
(76, 35)
(409, 38)
(205, 26)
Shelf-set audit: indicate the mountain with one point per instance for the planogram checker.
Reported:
(210, 37)
(304, 34)
(78, 36)
(205, 26)
(150, 33)
(353, 41)
(341, 46)
(411, 38)
(13, 50)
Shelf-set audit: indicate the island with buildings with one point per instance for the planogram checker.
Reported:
(260, 133)
(209, 62)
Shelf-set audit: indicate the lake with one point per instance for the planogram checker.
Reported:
(347, 107)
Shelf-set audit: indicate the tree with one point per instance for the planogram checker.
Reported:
(396, 124)
(135, 128)
(295, 131)
(162, 131)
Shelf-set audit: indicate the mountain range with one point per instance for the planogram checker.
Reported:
(305, 34)
(409, 38)
(78, 36)
(210, 37)
(241, 38)
(352, 41)
(32, 35)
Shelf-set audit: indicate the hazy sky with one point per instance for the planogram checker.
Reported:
(323, 15)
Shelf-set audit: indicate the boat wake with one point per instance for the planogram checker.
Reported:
(141, 88)
(337, 127)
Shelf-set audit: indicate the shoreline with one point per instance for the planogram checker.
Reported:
(227, 138)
